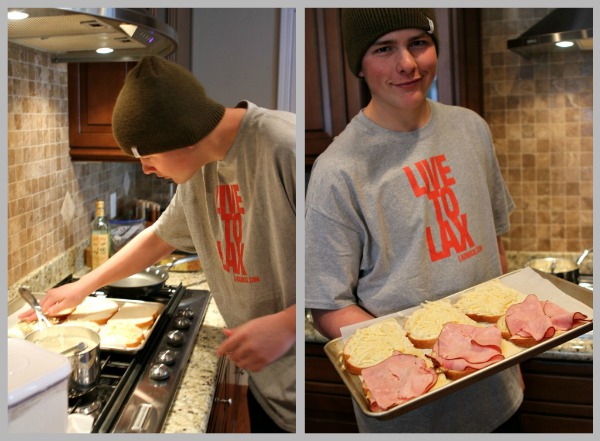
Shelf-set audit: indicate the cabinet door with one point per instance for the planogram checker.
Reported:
(229, 412)
(94, 88)
(93, 91)
(332, 93)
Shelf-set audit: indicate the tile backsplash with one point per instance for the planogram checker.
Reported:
(540, 114)
(41, 173)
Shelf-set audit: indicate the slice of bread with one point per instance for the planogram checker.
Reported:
(62, 314)
(425, 324)
(141, 315)
(22, 329)
(489, 301)
(121, 334)
(83, 323)
(95, 309)
(373, 344)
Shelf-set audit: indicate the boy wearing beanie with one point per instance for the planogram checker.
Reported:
(407, 205)
(235, 206)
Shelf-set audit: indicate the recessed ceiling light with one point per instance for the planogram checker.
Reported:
(17, 15)
(104, 50)
(565, 44)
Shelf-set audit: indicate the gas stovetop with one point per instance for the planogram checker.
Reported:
(135, 391)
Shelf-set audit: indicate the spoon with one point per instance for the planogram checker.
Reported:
(76, 348)
(29, 298)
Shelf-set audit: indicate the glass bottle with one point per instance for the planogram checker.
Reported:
(100, 241)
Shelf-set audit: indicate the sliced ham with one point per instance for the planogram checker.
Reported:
(465, 347)
(396, 380)
(539, 319)
(527, 319)
(560, 317)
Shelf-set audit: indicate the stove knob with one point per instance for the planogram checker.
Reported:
(175, 338)
(167, 357)
(182, 323)
(186, 312)
(159, 372)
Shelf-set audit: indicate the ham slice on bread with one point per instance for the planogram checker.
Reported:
(425, 324)
(397, 379)
(462, 349)
(532, 321)
(373, 344)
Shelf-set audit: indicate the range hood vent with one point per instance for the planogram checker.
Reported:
(563, 25)
(74, 34)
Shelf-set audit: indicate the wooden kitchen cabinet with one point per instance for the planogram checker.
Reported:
(333, 95)
(229, 412)
(328, 404)
(93, 91)
(558, 396)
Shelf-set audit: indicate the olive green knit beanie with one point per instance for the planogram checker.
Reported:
(162, 107)
(361, 27)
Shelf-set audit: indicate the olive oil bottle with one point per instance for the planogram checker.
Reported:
(100, 241)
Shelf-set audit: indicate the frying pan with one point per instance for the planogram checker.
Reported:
(563, 268)
(146, 282)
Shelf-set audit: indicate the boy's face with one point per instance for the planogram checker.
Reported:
(399, 69)
(176, 165)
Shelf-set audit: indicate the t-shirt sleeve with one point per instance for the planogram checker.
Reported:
(332, 262)
(501, 200)
(172, 226)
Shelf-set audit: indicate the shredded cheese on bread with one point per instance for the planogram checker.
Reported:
(425, 324)
(373, 344)
(488, 301)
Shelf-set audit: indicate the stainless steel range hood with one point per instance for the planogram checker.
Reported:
(563, 26)
(74, 34)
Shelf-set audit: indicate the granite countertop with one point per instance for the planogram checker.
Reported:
(580, 348)
(192, 405)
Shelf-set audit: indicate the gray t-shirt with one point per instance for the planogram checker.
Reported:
(239, 215)
(397, 218)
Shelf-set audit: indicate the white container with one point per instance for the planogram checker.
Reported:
(38, 382)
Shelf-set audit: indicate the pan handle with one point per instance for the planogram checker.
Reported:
(583, 256)
(186, 259)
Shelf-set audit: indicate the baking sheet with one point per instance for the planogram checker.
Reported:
(528, 281)
(13, 319)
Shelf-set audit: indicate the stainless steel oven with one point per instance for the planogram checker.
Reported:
(136, 390)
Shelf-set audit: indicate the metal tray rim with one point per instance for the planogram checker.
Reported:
(120, 302)
(352, 382)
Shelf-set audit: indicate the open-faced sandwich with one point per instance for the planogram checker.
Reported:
(424, 325)
(489, 301)
(373, 344)
(533, 320)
